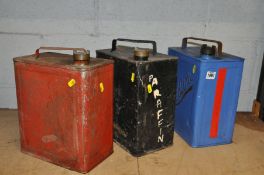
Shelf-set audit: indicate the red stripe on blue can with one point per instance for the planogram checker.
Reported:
(220, 84)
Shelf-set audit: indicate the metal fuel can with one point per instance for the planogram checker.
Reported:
(144, 96)
(65, 107)
(208, 85)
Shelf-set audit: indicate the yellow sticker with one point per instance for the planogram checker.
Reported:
(101, 85)
(132, 77)
(71, 83)
(194, 69)
(149, 88)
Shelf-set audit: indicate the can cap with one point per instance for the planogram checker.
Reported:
(206, 50)
(141, 54)
(80, 55)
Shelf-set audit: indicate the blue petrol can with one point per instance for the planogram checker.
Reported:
(208, 84)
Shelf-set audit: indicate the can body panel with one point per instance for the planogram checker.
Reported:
(62, 115)
(143, 122)
(156, 106)
(205, 115)
(98, 125)
(125, 115)
(187, 87)
(41, 113)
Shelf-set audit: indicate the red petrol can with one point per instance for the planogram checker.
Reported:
(65, 108)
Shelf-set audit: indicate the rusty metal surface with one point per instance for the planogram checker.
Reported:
(81, 56)
(65, 111)
(61, 61)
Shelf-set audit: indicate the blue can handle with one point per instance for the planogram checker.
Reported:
(219, 43)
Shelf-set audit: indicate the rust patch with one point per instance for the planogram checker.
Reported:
(49, 138)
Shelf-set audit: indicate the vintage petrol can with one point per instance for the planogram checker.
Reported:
(144, 97)
(207, 93)
(65, 107)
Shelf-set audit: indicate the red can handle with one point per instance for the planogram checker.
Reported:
(219, 43)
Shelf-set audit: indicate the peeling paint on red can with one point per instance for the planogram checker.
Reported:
(64, 116)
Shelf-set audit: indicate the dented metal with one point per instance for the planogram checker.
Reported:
(64, 116)
(144, 99)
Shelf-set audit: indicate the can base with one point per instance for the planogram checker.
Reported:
(72, 167)
(142, 153)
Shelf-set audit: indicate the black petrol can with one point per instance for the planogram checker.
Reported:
(144, 96)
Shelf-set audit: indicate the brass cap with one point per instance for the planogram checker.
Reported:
(79, 55)
(141, 52)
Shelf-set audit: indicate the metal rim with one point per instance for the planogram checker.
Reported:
(141, 52)
(79, 55)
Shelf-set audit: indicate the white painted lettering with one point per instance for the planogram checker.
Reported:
(160, 138)
(160, 122)
(159, 103)
(156, 93)
(154, 81)
(150, 78)
(159, 113)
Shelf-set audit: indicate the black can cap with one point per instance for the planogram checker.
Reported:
(206, 50)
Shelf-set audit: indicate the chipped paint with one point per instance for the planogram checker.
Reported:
(70, 127)
(142, 121)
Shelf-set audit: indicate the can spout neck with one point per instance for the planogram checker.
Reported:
(81, 57)
(206, 50)
(141, 54)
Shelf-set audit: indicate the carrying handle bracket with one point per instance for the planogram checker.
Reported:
(219, 43)
(37, 52)
(154, 45)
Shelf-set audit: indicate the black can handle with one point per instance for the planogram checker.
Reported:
(219, 43)
(154, 45)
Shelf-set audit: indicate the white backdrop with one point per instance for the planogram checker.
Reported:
(27, 24)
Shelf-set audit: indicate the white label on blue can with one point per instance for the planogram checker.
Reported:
(210, 75)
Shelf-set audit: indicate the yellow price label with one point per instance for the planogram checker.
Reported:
(132, 77)
(101, 85)
(149, 88)
(71, 83)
